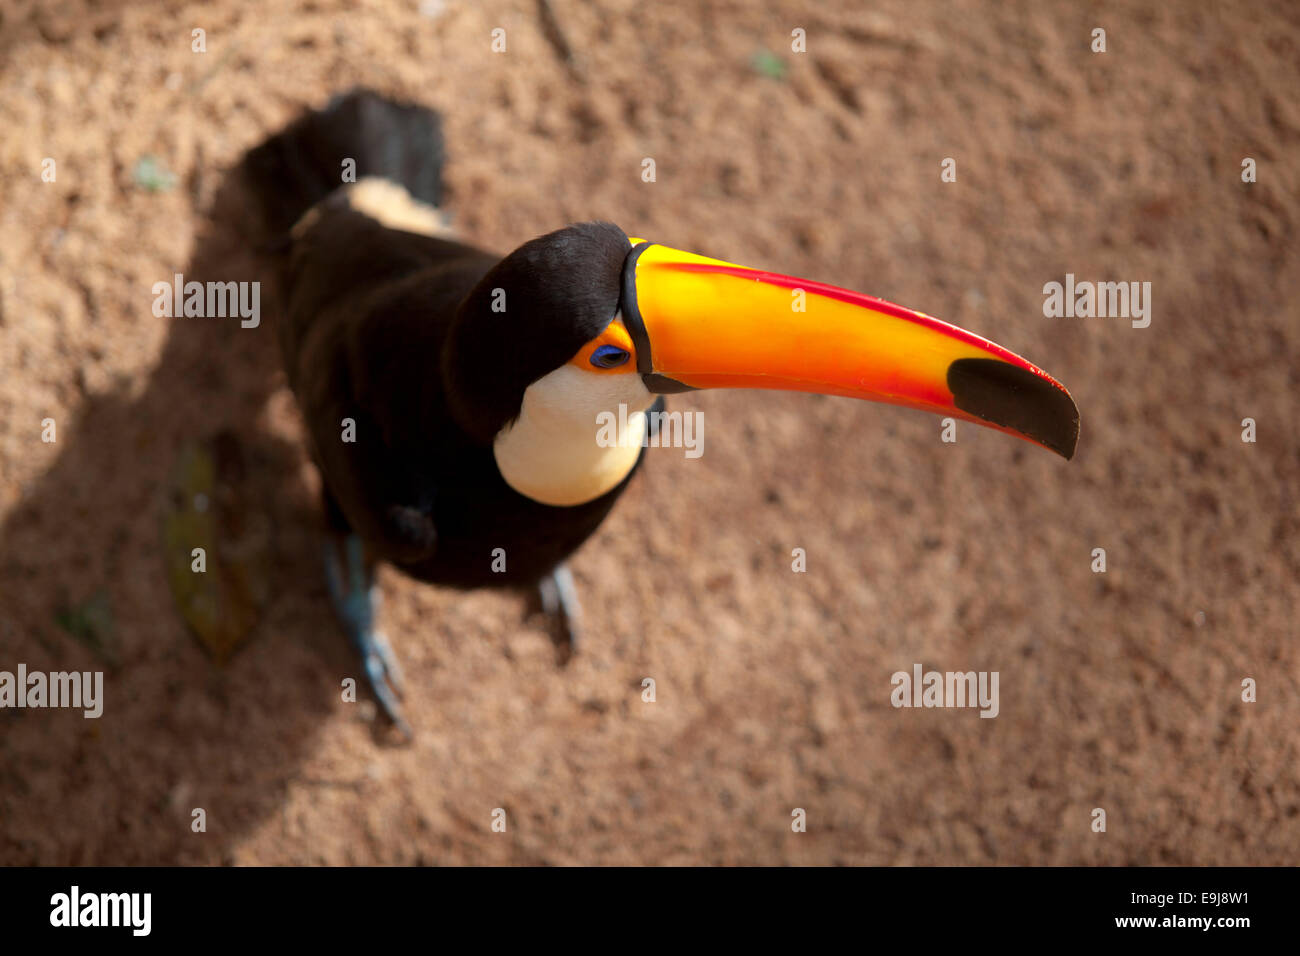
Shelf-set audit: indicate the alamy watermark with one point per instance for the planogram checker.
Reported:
(950, 689)
(75, 689)
(663, 430)
(1103, 300)
(209, 300)
(133, 911)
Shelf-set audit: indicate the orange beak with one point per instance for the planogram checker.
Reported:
(702, 323)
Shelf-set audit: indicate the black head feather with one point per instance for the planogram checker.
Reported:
(558, 292)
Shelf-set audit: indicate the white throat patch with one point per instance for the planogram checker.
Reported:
(551, 453)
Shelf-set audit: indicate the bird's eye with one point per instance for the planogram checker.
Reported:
(609, 356)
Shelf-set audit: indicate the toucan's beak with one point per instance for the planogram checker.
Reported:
(703, 323)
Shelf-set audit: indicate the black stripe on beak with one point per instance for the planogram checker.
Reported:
(635, 325)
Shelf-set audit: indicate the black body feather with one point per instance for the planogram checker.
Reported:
(395, 330)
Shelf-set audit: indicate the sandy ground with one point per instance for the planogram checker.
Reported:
(1119, 691)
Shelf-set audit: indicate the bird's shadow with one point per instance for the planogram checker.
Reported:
(84, 572)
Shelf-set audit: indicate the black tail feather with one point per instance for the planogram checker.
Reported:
(304, 163)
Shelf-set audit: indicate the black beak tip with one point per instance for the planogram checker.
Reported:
(1012, 397)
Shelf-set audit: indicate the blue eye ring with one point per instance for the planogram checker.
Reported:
(609, 356)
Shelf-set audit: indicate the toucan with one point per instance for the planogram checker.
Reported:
(451, 396)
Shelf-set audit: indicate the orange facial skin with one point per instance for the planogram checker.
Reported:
(615, 334)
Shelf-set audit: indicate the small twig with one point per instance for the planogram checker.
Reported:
(554, 34)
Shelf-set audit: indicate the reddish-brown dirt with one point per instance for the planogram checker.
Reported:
(1120, 691)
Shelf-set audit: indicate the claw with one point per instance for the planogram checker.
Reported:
(560, 602)
(388, 660)
(356, 608)
(383, 681)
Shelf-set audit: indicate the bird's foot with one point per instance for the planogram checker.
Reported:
(355, 598)
(563, 610)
